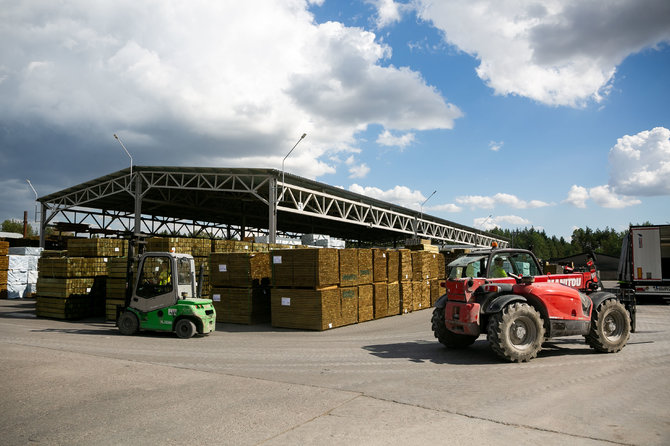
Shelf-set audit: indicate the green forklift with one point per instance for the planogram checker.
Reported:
(165, 297)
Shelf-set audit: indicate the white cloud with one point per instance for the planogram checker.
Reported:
(577, 196)
(359, 171)
(388, 12)
(231, 82)
(602, 195)
(486, 202)
(558, 52)
(449, 207)
(400, 195)
(495, 146)
(488, 223)
(386, 138)
(640, 164)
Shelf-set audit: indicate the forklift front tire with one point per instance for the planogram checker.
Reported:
(185, 328)
(128, 323)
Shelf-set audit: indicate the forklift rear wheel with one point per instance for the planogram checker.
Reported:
(610, 327)
(516, 333)
(185, 328)
(128, 323)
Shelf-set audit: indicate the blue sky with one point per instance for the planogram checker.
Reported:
(551, 114)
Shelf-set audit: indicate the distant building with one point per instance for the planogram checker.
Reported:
(607, 265)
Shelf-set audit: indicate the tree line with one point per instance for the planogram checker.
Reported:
(602, 241)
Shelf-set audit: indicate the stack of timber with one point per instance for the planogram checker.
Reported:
(380, 283)
(240, 287)
(421, 245)
(405, 276)
(73, 286)
(306, 292)
(117, 278)
(4, 268)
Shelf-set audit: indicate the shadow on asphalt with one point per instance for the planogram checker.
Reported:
(477, 353)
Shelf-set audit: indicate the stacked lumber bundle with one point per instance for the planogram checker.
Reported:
(74, 286)
(240, 286)
(415, 244)
(306, 292)
(4, 268)
(199, 248)
(116, 285)
(97, 247)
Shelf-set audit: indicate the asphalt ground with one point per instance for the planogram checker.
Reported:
(382, 382)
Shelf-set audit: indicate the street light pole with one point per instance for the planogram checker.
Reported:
(35, 192)
(282, 164)
(416, 226)
(127, 153)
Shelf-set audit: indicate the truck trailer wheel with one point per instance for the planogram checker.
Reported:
(447, 337)
(128, 323)
(185, 328)
(610, 327)
(516, 333)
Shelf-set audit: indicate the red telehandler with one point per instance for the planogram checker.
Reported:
(503, 293)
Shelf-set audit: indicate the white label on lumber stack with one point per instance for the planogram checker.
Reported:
(216, 297)
(222, 269)
(276, 259)
(286, 301)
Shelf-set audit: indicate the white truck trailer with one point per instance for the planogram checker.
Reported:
(644, 265)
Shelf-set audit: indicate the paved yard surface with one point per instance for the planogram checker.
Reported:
(381, 382)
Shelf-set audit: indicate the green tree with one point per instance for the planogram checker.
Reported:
(17, 227)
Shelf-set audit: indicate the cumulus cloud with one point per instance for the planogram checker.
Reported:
(489, 202)
(197, 83)
(490, 222)
(400, 195)
(495, 146)
(555, 52)
(359, 171)
(386, 138)
(602, 195)
(448, 207)
(388, 12)
(640, 164)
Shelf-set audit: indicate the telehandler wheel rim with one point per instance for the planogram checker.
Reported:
(523, 332)
(613, 326)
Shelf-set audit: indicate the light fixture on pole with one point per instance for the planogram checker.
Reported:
(416, 226)
(127, 153)
(35, 192)
(282, 164)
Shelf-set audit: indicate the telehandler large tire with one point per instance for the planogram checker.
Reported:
(447, 337)
(516, 333)
(610, 327)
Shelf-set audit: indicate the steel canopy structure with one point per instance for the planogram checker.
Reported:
(237, 202)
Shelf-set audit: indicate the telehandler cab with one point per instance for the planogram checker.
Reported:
(164, 298)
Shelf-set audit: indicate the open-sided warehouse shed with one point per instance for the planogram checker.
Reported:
(228, 202)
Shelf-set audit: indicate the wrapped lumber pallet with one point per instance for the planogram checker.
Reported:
(406, 297)
(63, 287)
(348, 262)
(97, 247)
(379, 266)
(393, 299)
(307, 309)
(364, 266)
(242, 305)
(381, 300)
(242, 270)
(421, 295)
(305, 268)
(366, 307)
(405, 265)
(348, 306)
